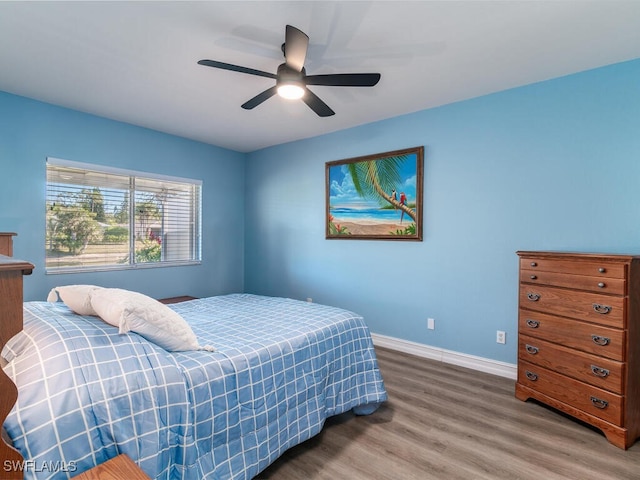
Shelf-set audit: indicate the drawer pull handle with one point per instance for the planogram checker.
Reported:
(602, 269)
(533, 323)
(533, 277)
(534, 264)
(602, 309)
(601, 285)
(602, 341)
(599, 403)
(531, 349)
(534, 297)
(531, 376)
(599, 372)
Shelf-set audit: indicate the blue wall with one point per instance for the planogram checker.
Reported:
(30, 131)
(549, 166)
(554, 165)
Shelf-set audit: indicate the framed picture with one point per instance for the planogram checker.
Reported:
(376, 197)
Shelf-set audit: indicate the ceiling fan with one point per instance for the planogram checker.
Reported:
(292, 79)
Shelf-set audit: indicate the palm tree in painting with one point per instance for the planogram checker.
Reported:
(374, 178)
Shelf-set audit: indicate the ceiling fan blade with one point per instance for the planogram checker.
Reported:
(261, 97)
(317, 105)
(236, 68)
(344, 79)
(295, 48)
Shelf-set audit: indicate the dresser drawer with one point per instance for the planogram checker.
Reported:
(593, 400)
(611, 286)
(588, 268)
(587, 337)
(601, 372)
(591, 307)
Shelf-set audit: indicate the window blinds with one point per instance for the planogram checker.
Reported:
(106, 218)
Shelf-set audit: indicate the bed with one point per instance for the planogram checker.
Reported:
(279, 368)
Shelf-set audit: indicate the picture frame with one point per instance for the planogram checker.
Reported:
(375, 197)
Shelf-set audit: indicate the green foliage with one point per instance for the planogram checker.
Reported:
(71, 227)
(336, 228)
(115, 234)
(121, 213)
(372, 177)
(92, 201)
(146, 212)
(408, 230)
(149, 251)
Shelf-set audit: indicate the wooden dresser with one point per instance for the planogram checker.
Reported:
(11, 272)
(579, 338)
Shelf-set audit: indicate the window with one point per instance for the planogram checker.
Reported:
(101, 218)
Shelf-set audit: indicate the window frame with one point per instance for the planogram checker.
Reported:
(135, 176)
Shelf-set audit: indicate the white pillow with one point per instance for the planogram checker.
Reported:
(133, 311)
(76, 297)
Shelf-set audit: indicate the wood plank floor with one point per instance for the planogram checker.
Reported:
(446, 422)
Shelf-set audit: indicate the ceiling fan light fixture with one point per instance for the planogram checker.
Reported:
(290, 91)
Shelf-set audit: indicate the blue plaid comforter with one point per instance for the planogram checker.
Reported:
(281, 368)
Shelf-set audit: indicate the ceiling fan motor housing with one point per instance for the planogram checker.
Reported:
(287, 75)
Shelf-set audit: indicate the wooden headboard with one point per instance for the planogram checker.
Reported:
(11, 272)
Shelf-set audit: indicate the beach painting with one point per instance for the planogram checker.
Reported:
(376, 197)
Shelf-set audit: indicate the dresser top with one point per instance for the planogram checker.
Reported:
(610, 257)
(9, 263)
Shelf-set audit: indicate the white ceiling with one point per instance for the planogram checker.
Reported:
(136, 61)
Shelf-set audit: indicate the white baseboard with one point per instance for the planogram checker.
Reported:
(481, 364)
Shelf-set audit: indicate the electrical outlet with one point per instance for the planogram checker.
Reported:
(431, 323)
(501, 337)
